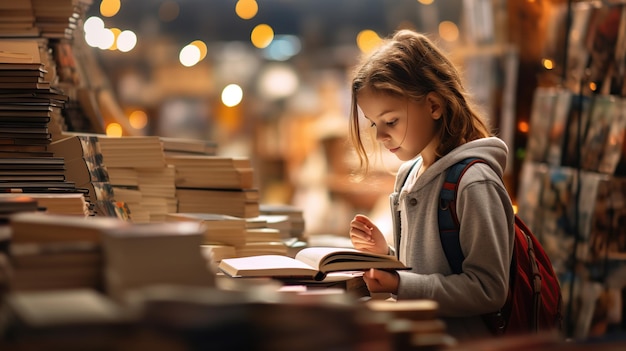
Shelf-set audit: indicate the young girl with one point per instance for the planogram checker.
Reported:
(412, 96)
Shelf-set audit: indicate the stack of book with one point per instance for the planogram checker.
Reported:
(138, 163)
(28, 103)
(223, 235)
(263, 241)
(84, 167)
(57, 251)
(58, 19)
(17, 19)
(8, 207)
(138, 256)
(66, 319)
(63, 204)
(215, 184)
(295, 226)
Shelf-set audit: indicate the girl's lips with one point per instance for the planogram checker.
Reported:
(394, 150)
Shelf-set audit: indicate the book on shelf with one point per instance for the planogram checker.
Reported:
(312, 262)
(605, 212)
(542, 110)
(613, 154)
(600, 119)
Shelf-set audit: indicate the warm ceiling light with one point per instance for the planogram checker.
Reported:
(367, 39)
(262, 35)
(246, 9)
(110, 8)
(448, 31)
(202, 47)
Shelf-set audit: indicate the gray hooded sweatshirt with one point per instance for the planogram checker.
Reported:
(486, 235)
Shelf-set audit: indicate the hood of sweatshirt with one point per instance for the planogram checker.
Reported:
(492, 149)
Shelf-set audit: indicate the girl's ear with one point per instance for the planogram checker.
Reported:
(435, 104)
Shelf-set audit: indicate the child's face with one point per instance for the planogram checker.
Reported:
(404, 127)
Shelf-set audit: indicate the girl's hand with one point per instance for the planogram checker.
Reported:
(379, 281)
(366, 236)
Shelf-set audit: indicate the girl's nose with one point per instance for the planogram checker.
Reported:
(380, 134)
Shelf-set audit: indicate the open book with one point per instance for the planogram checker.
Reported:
(309, 263)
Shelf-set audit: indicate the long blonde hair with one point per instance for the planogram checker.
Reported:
(408, 64)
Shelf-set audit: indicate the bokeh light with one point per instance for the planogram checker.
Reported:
(110, 8)
(114, 130)
(126, 41)
(278, 81)
(116, 32)
(232, 95)
(189, 55)
(367, 40)
(282, 48)
(246, 9)
(262, 35)
(448, 31)
(202, 47)
(138, 119)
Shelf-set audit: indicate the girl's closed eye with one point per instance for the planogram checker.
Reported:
(392, 123)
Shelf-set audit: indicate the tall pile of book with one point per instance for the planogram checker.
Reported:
(27, 104)
(31, 102)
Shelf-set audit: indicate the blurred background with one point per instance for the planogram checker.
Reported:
(269, 80)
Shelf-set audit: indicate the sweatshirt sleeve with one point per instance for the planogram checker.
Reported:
(486, 217)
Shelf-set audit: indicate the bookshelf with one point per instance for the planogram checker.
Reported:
(571, 180)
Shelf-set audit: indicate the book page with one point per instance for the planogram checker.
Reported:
(266, 265)
(329, 259)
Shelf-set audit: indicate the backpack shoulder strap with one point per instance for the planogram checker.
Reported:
(447, 218)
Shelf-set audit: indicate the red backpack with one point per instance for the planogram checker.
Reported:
(534, 298)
